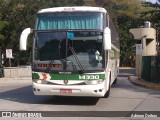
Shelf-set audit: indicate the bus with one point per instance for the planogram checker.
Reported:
(75, 52)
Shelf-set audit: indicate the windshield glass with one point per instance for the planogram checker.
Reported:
(69, 20)
(73, 50)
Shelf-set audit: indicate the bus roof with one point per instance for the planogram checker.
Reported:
(73, 9)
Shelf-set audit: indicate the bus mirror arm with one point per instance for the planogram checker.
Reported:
(107, 39)
(23, 38)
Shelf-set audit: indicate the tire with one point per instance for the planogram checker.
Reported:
(115, 81)
(108, 91)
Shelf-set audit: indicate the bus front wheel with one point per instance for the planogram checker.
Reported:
(115, 81)
(108, 91)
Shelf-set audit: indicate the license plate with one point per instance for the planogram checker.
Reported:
(66, 91)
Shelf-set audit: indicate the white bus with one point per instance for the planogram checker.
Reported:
(75, 52)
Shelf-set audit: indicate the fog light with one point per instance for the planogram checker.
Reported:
(95, 90)
(100, 90)
(34, 89)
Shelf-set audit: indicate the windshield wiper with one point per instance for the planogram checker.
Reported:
(76, 58)
(49, 67)
(55, 55)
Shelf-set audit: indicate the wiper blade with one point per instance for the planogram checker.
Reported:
(50, 65)
(76, 58)
(52, 61)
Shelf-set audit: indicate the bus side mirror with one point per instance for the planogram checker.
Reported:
(23, 38)
(107, 39)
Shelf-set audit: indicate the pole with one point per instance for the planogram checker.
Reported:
(10, 66)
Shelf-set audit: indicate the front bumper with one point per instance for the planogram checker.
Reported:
(70, 90)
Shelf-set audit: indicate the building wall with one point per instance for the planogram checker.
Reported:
(15, 72)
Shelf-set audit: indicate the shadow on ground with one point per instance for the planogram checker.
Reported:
(25, 95)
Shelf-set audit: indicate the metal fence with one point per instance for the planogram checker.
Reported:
(151, 68)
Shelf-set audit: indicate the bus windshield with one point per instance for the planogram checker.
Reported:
(69, 20)
(78, 50)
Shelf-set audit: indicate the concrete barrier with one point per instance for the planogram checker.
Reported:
(14, 72)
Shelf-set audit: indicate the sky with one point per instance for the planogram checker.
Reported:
(153, 1)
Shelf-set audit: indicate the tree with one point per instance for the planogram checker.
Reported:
(125, 15)
(21, 14)
(60, 3)
(3, 25)
(15, 15)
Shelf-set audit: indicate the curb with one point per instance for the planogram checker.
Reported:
(140, 82)
(4, 79)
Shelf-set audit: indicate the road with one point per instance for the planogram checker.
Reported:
(17, 95)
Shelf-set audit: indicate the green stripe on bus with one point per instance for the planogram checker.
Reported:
(72, 76)
(35, 76)
(76, 76)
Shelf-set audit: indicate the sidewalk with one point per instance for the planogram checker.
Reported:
(140, 82)
(5, 79)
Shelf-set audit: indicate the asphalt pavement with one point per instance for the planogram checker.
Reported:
(131, 74)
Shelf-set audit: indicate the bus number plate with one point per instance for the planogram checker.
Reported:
(66, 91)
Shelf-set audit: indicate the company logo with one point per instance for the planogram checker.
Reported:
(65, 82)
(6, 114)
(21, 114)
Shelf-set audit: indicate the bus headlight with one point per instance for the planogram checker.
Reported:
(40, 81)
(93, 82)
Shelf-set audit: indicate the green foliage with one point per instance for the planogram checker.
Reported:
(19, 15)
(59, 3)
(2, 26)
(125, 15)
